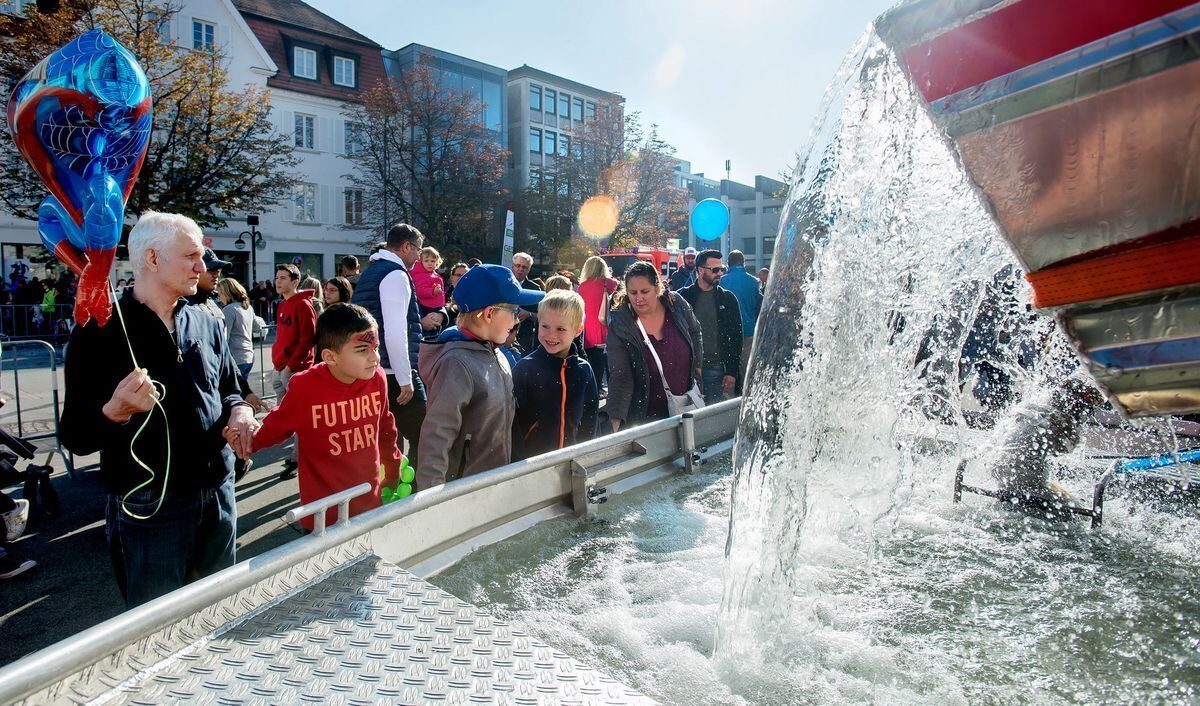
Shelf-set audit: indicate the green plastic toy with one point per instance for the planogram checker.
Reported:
(403, 488)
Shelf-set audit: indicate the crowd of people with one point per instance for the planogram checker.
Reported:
(39, 307)
(410, 362)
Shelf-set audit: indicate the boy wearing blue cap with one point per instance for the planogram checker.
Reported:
(469, 414)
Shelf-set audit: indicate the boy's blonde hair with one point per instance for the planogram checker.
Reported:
(426, 252)
(557, 282)
(565, 302)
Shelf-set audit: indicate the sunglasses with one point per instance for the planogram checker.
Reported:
(714, 270)
(514, 310)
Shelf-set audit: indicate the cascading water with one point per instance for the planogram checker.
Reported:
(849, 575)
(884, 271)
(884, 241)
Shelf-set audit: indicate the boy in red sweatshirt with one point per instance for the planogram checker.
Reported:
(339, 413)
(292, 352)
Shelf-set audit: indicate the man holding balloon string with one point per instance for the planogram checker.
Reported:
(152, 388)
(152, 391)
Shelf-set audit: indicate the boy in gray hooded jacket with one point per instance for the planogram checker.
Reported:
(469, 414)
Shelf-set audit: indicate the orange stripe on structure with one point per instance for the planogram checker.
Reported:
(1143, 269)
(562, 418)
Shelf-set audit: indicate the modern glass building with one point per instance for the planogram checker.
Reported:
(459, 73)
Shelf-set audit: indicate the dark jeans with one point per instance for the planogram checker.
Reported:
(597, 357)
(191, 536)
(710, 378)
(410, 416)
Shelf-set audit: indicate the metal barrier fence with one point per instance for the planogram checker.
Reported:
(25, 355)
(265, 383)
(33, 321)
(27, 428)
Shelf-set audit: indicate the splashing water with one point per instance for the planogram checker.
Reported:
(890, 261)
(848, 574)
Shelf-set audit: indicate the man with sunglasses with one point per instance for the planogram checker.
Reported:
(720, 320)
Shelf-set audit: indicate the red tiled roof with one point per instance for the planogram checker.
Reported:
(299, 14)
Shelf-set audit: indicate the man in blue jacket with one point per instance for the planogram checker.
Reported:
(745, 287)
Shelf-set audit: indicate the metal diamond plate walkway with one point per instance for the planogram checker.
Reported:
(370, 633)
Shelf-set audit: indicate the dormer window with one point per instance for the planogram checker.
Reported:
(345, 71)
(304, 63)
(204, 35)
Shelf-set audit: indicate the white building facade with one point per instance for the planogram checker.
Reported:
(313, 66)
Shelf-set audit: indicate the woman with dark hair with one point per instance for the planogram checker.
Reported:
(338, 290)
(654, 344)
(452, 277)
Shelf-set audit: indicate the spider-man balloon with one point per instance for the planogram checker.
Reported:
(81, 118)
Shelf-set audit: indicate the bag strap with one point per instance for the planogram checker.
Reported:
(654, 354)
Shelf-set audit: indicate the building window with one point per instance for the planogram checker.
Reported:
(535, 97)
(769, 246)
(354, 206)
(204, 35)
(577, 111)
(590, 111)
(305, 131)
(305, 197)
(304, 63)
(535, 178)
(535, 140)
(344, 73)
(748, 211)
(564, 106)
(772, 209)
(352, 135)
(493, 102)
(550, 142)
(564, 146)
(551, 101)
(15, 7)
(749, 246)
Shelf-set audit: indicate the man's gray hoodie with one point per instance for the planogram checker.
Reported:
(469, 414)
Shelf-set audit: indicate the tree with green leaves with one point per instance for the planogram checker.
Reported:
(213, 149)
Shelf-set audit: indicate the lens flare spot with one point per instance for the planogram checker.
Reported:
(598, 216)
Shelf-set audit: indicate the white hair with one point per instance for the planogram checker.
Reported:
(155, 231)
(523, 256)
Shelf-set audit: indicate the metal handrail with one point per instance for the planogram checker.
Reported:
(316, 509)
(63, 659)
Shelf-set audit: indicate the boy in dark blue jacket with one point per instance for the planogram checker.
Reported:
(557, 397)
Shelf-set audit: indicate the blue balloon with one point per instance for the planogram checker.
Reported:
(82, 119)
(710, 218)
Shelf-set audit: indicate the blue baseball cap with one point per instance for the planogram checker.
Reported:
(212, 262)
(485, 285)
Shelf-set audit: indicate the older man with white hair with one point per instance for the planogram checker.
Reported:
(522, 263)
(152, 391)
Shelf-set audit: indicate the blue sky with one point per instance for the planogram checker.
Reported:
(724, 79)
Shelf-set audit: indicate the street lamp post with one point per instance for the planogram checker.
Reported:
(257, 242)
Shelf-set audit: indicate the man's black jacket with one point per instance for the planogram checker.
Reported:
(729, 326)
(202, 387)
